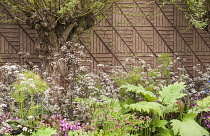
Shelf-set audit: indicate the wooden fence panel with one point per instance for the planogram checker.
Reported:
(135, 29)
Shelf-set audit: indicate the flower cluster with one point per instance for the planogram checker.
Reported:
(206, 119)
(121, 124)
(61, 124)
(5, 127)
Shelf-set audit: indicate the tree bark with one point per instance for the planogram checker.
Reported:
(52, 33)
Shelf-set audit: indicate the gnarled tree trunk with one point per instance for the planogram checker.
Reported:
(52, 33)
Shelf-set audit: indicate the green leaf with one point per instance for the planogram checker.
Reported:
(170, 108)
(171, 93)
(164, 132)
(157, 123)
(148, 107)
(188, 126)
(140, 90)
(44, 132)
(203, 105)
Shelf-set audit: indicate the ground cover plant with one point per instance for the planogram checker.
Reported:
(137, 103)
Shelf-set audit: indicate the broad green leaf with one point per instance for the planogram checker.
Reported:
(164, 132)
(140, 90)
(188, 126)
(203, 105)
(44, 132)
(170, 108)
(171, 93)
(148, 107)
(157, 123)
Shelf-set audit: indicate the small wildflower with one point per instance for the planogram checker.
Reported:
(19, 126)
(24, 129)
(30, 117)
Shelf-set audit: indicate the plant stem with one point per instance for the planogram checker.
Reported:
(200, 120)
(21, 110)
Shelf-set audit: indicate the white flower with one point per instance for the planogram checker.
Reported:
(32, 85)
(30, 130)
(193, 91)
(90, 87)
(19, 126)
(13, 67)
(24, 129)
(100, 65)
(63, 48)
(16, 72)
(194, 67)
(77, 44)
(30, 79)
(3, 105)
(30, 117)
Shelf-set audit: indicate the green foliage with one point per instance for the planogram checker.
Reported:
(188, 126)
(140, 90)
(157, 123)
(201, 106)
(61, 8)
(148, 107)
(108, 118)
(28, 86)
(164, 132)
(171, 93)
(93, 133)
(170, 108)
(44, 131)
(90, 133)
(133, 77)
(30, 83)
(204, 104)
(195, 10)
(139, 78)
(169, 97)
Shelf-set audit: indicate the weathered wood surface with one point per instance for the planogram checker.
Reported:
(132, 29)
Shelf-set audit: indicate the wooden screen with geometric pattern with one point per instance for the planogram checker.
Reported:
(136, 29)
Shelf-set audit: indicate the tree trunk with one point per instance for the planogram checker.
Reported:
(52, 33)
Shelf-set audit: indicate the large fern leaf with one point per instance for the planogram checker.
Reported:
(188, 126)
(148, 107)
(171, 93)
(140, 90)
